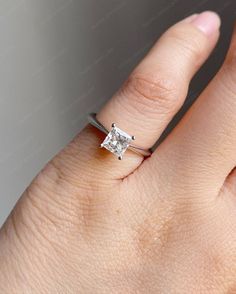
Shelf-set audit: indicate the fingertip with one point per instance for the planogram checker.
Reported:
(208, 22)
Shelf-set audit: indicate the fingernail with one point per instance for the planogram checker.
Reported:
(190, 18)
(208, 22)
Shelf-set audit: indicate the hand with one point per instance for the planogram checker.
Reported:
(90, 223)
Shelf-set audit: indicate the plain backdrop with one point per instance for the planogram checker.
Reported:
(60, 59)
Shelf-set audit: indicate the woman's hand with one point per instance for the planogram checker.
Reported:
(90, 223)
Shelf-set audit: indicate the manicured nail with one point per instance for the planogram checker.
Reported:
(208, 22)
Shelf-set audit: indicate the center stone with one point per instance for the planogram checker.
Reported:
(117, 141)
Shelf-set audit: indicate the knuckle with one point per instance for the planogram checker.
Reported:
(151, 93)
(14, 228)
(43, 208)
(155, 232)
(219, 262)
(61, 205)
(24, 221)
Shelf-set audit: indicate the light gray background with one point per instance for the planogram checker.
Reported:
(60, 59)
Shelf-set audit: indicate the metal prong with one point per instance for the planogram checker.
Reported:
(133, 138)
(120, 157)
(113, 125)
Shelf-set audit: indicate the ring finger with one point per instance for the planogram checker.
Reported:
(157, 87)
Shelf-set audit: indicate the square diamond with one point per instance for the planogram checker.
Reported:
(117, 141)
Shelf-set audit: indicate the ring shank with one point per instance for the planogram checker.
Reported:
(94, 122)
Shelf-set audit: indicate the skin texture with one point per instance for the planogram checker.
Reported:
(90, 223)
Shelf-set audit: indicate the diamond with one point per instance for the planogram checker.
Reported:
(117, 141)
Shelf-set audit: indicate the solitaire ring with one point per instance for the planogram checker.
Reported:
(117, 141)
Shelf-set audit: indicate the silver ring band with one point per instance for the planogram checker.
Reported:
(117, 133)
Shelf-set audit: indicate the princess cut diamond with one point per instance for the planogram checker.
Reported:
(117, 141)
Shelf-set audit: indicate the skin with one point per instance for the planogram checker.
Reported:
(90, 223)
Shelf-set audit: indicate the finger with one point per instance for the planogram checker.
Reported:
(157, 87)
(204, 142)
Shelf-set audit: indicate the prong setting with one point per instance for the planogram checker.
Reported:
(117, 141)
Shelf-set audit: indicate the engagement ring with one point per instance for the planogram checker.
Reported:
(117, 141)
